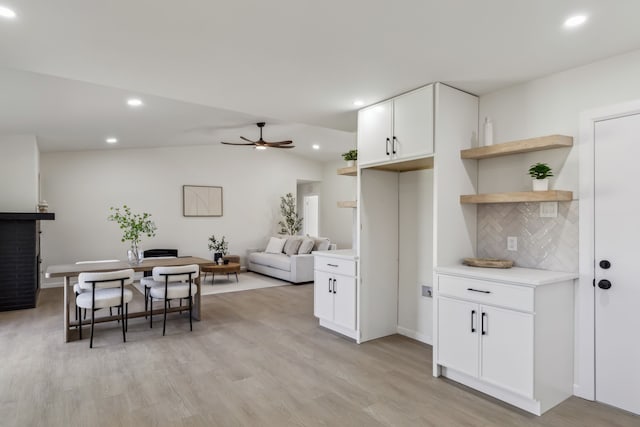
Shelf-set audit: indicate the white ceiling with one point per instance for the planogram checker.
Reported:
(290, 62)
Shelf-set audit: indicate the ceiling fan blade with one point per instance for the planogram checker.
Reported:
(276, 145)
(248, 140)
(235, 143)
(280, 142)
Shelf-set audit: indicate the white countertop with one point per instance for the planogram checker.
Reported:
(515, 275)
(338, 253)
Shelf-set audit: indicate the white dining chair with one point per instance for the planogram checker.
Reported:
(169, 283)
(102, 290)
(77, 290)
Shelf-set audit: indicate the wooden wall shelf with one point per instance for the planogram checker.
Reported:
(348, 204)
(406, 165)
(515, 147)
(517, 197)
(348, 171)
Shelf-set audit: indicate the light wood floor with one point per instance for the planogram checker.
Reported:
(257, 358)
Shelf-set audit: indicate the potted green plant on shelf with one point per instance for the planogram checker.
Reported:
(219, 247)
(291, 223)
(350, 157)
(540, 172)
(133, 226)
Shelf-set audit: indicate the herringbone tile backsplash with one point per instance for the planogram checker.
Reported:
(545, 243)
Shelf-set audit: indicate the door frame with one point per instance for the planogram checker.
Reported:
(317, 211)
(585, 369)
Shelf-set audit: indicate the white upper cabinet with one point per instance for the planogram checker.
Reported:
(397, 129)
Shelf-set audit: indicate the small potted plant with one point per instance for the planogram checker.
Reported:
(540, 172)
(350, 157)
(219, 247)
(133, 226)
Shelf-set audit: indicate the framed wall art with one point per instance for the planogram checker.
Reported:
(201, 200)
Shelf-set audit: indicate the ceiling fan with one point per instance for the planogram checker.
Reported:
(261, 143)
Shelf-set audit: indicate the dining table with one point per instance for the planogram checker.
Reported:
(69, 271)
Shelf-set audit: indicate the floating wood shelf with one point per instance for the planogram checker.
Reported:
(348, 171)
(521, 196)
(406, 165)
(515, 147)
(348, 204)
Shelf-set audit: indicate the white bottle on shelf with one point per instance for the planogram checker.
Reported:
(488, 132)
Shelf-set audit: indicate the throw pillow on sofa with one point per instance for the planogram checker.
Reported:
(275, 245)
(292, 245)
(306, 246)
(321, 244)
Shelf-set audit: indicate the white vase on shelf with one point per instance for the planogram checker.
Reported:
(541, 184)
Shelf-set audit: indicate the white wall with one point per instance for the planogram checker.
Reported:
(337, 223)
(553, 105)
(81, 186)
(19, 169)
(415, 264)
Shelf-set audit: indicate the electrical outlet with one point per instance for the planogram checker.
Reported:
(512, 243)
(427, 291)
(548, 209)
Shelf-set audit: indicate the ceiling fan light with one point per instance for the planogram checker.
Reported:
(260, 147)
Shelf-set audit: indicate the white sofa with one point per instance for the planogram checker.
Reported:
(295, 268)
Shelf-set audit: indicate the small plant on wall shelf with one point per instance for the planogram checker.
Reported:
(540, 172)
(291, 224)
(350, 157)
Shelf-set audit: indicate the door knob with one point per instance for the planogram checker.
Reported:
(604, 264)
(604, 284)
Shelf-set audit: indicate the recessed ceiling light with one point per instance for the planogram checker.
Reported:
(260, 147)
(575, 21)
(315, 146)
(111, 140)
(5, 12)
(134, 102)
(358, 103)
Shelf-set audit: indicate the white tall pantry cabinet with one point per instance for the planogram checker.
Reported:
(410, 176)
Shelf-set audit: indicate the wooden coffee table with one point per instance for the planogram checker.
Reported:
(232, 267)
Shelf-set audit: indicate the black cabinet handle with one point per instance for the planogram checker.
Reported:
(334, 286)
(473, 315)
(393, 145)
(484, 331)
(332, 265)
(478, 290)
(387, 146)
(329, 285)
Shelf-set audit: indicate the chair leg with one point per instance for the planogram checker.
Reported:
(164, 325)
(79, 321)
(124, 335)
(126, 317)
(191, 314)
(93, 315)
(150, 312)
(146, 300)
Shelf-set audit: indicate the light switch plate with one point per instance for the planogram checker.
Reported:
(427, 291)
(512, 243)
(548, 209)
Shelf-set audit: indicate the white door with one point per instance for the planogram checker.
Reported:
(617, 241)
(310, 215)
(413, 124)
(458, 331)
(323, 295)
(344, 302)
(506, 355)
(374, 133)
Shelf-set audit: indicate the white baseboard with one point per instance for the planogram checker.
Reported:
(415, 335)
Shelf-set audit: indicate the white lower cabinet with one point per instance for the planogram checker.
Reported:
(335, 294)
(513, 341)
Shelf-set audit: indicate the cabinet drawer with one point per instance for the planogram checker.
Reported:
(335, 265)
(485, 292)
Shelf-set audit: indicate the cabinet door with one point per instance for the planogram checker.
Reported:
(507, 349)
(458, 332)
(413, 123)
(344, 311)
(323, 295)
(374, 130)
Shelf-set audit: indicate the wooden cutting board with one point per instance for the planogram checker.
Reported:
(488, 262)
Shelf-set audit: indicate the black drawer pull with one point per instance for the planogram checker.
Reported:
(478, 290)
(473, 326)
(482, 328)
(332, 265)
